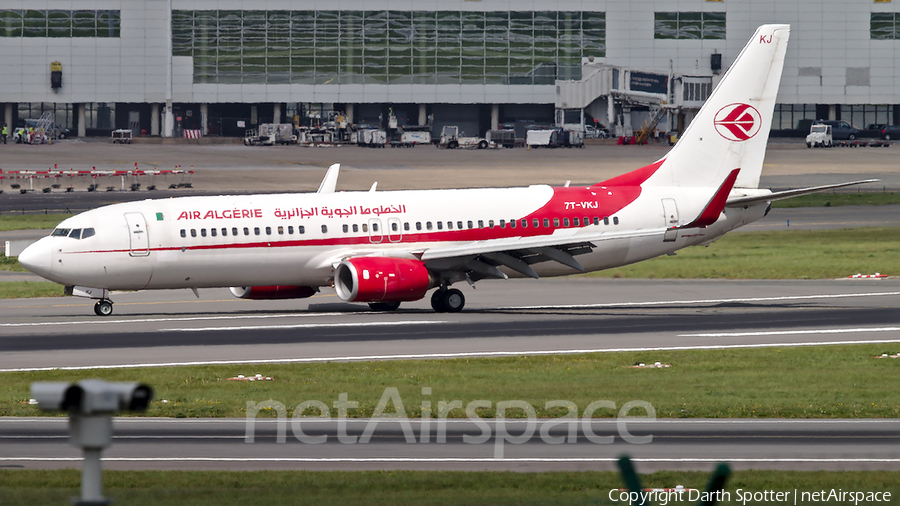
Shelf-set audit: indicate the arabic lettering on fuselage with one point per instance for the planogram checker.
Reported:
(340, 212)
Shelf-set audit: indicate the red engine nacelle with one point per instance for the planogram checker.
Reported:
(273, 292)
(381, 279)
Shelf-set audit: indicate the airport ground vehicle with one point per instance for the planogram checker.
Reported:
(451, 138)
(819, 136)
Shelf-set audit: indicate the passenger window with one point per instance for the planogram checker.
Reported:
(525, 223)
(395, 227)
(234, 231)
(193, 232)
(224, 231)
(255, 230)
(345, 228)
(203, 232)
(268, 230)
(88, 232)
(280, 230)
(75, 233)
(576, 222)
(246, 231)
(440, 225)
(183, 233)
(502, 223)
(536, 223)
(615, 220)
(213, 232)
(374, 227)
(355, 227)
(459, 225)
(546, 222)
(512, 223)
(470, 224)
(606, 220)
(555, 222)
(291, 229)
(565, 222)
(596, 220)
(449, 225)
(406, 225)
(428, 225)
(365, 228)
(324, 229)
(490, 223)
(480, 223)
(418, 225)
(301, 229)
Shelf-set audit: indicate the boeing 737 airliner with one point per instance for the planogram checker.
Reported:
(384, 248)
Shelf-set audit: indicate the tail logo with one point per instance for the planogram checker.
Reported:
(738, 122)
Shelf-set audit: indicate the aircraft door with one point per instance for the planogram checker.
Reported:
(670, 212)
(137, 235)
(395, 233)
(376, 235)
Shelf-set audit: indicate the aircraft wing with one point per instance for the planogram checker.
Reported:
(769, 197)
(518, 253)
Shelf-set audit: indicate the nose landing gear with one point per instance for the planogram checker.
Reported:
(103, 307)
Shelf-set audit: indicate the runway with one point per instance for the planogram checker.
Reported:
(501, 318)
(519, 445)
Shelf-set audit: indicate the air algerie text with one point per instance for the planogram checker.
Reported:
(225, 214)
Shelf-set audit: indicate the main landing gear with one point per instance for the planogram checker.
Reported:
(448, 301)
(103, 307)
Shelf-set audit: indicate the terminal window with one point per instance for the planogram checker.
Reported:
(885, 26)
(59, 23)
(387, 47)
(689, 25)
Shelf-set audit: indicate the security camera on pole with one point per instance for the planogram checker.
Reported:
(91, 405)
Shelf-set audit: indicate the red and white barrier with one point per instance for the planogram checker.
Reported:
(868, 276)
(193, 134)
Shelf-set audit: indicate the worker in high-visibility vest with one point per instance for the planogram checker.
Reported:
(4, 133)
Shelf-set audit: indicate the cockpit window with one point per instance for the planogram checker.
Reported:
(75, 233)
(88, 232)
(61, 232)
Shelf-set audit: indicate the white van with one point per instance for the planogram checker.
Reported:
(819, 136)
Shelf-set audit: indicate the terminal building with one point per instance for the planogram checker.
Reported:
(160, 67)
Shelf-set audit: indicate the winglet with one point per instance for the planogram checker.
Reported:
(329, 183)
(716, 204)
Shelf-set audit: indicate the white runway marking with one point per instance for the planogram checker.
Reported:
(435, 459)
(176, 319)
(793, 332)
(708, 301)
(309, 326)
(439, 356)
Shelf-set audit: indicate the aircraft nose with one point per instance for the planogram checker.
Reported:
(37, 258)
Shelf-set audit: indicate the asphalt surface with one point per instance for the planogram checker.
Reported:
(458, 444)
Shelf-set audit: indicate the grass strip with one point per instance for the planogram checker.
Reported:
(29, 289)
(12, 221)
(792, 382)
(10, 264)
(793, 254)
(839, 199)
(226, 488)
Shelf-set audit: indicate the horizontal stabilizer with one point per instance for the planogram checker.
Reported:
(769, 197)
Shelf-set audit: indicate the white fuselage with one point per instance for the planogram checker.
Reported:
(298, 239)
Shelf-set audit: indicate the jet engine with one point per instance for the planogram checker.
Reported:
(273, 292)
(382, 279)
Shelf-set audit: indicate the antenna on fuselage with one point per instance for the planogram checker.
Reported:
(329, 183)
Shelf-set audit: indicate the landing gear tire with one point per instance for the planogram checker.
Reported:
(103, 308)
(448, 301)
(384, 306)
